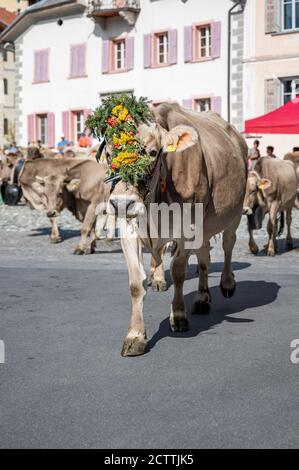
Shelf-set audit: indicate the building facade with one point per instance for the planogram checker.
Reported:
(7, 84)
(70, 53)
(271, 63)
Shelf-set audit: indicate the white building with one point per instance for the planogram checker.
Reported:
(70, 53)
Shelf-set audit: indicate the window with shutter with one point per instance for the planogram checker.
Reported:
(41, 63)
(78, 56)
(202, 41)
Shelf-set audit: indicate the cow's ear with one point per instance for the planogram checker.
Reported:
(40, 179)
(73, 185)
(263, 184)
(179, 138)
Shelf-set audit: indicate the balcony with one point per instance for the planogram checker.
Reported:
(127, 9)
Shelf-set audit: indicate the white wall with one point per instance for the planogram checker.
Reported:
(176, 82)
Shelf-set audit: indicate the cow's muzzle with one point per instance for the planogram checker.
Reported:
(52, 213)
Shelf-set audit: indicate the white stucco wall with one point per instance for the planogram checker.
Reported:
(176, 82)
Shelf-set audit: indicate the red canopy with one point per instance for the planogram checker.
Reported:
(284, 120)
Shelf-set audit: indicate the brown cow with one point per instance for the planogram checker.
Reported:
(209, 167)
(294, 157)
(271, 188)
(77, 185)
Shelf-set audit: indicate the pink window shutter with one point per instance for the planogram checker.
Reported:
(129, 53)
(87, 113)
(38, 66)
(105, 56)
(30, 128)
(216, 39)
(147, 50)
(216, 104)
(74, 62)
(81, 51)
(173, 46)
(188, 43)
(45, 65)
(51, 130)
(66, 124)
(187, 104)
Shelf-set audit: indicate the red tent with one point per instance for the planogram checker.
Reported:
(284, 120)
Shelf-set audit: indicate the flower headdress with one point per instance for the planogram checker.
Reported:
(117, 121)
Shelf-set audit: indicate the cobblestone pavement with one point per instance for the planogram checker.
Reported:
(25, 235)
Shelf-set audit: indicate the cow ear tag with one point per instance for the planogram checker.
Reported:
(171, 148)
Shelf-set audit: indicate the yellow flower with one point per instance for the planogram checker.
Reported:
(117, 109)
(124, 158)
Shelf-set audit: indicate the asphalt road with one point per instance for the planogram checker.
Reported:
(229, 382)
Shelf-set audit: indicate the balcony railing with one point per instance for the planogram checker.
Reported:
(109, 8)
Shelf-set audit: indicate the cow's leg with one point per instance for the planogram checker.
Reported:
(135, 341)
(272, 229)
(55, 235)
(228, 283)
(156, 277)
(87, 225)
(254, 249)
(203, 298)
(178, 316)
(289, 241)
(92, 242)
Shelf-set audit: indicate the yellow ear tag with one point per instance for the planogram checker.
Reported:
(171, 148)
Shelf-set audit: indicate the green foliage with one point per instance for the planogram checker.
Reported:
(139, 110)
(117, 119)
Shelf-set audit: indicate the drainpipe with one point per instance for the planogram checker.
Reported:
(231, 12)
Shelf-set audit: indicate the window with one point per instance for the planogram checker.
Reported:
(202, 104)
(203, 41)
(290, 89)
(5, 126)
(290, 14)
(42, 123)
(119, 49)
(41, 65)
(78, 55)
(5, 86)
(78, 124)
(161, 48)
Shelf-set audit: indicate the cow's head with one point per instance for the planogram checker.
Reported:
(126, 200)
(52, 190)
(256, 189)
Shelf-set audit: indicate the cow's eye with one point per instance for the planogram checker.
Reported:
(153, 153)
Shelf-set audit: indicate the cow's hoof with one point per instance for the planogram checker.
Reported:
(79, 251)
(271, 252)
(228, 293)
(254, 249)
(201, 308)
(56, 240)
(289, 245)
(89, 251)
(133, 346)
(179, 325)
(159, 286)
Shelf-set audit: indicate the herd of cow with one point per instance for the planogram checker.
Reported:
(209, 167)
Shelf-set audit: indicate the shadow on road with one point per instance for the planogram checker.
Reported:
(64, 233)
(249, 294)
(213, 268)
(281, 247)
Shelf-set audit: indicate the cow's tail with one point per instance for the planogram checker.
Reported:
(281, 224)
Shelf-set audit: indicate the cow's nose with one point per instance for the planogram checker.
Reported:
(52, 213)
